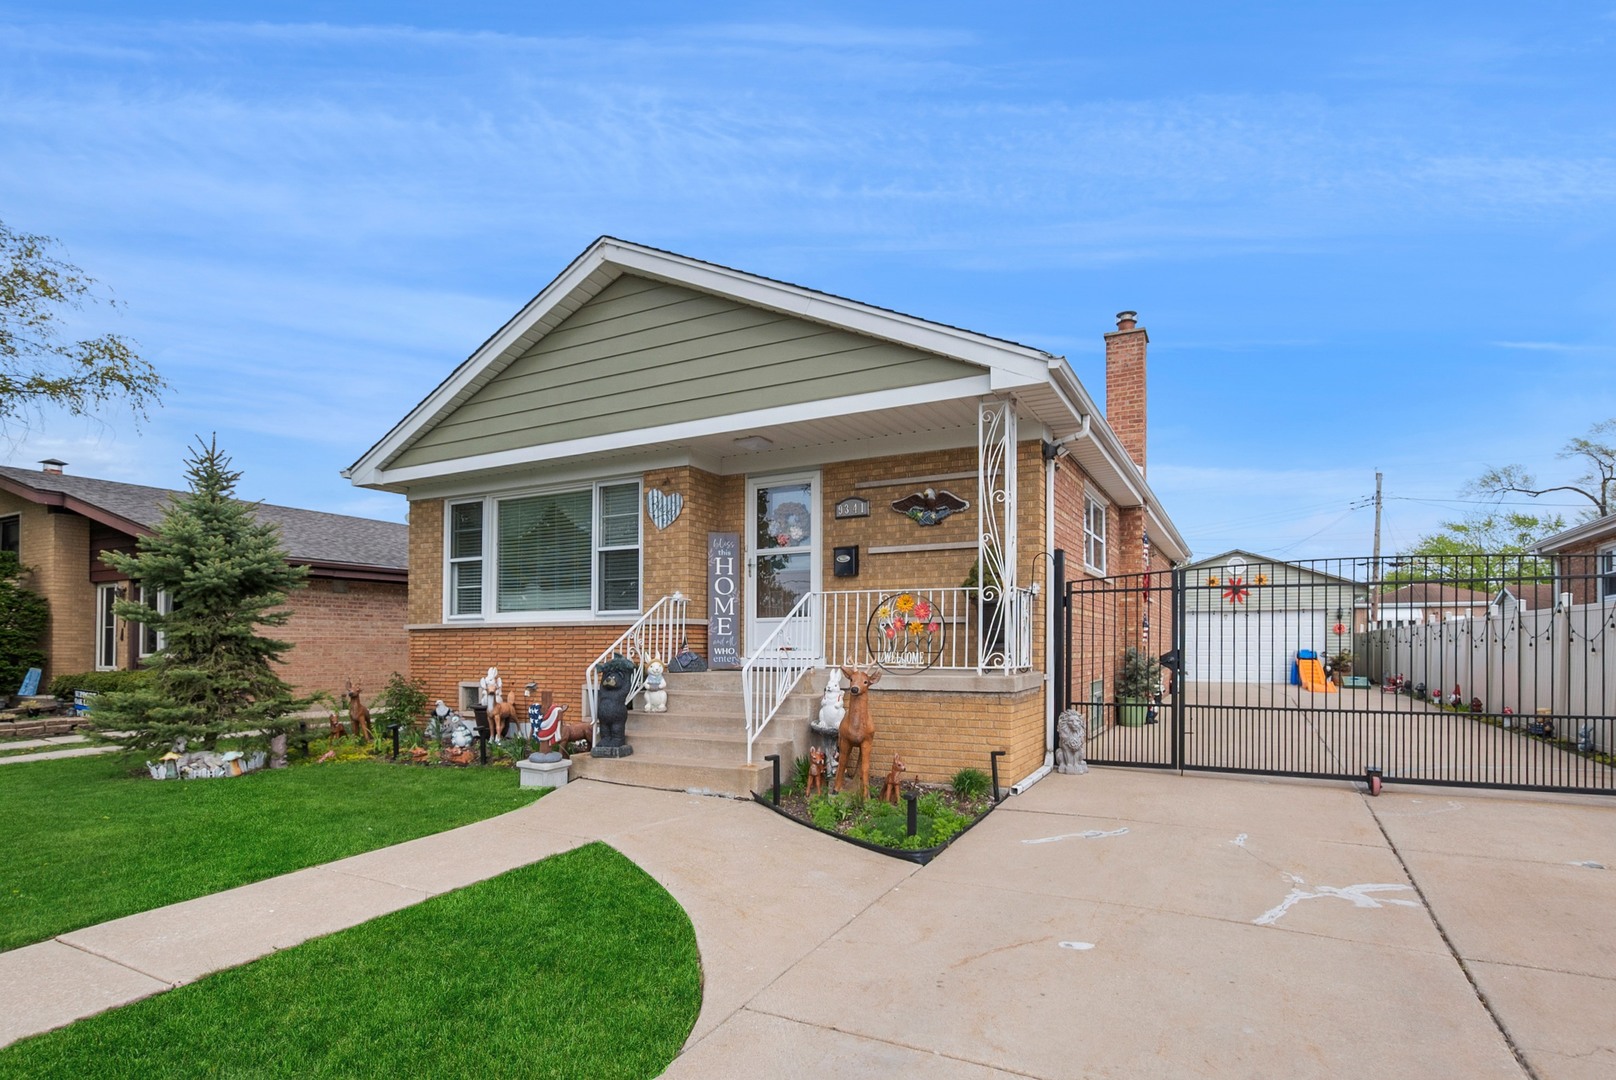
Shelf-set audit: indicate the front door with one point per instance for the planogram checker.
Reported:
(782, 558)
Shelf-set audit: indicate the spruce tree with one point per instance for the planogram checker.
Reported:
(226, 578)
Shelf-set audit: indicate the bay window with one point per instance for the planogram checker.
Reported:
(571, 552)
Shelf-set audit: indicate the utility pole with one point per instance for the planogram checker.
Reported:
(1374, 574)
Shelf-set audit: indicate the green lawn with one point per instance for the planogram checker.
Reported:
(577, 966)
(85, 842)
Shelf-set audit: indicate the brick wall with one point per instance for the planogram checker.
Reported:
(1125, 387)
(937, 733)
(426, 561)
(555, 657)
(961, 728)
(1578, 567)
(57, 549)
(344, 629)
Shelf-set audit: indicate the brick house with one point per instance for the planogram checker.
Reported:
(1584, 560)
(348, 621)
(574, 482)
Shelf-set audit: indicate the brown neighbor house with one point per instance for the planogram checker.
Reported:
(657, 449)
(348, 621)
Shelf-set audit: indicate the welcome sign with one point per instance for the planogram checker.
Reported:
(723, 595)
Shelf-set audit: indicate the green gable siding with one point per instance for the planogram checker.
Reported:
(643, 354)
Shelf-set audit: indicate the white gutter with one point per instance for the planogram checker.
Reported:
(1043, 770)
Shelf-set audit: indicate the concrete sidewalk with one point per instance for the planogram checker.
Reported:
(1117, 924)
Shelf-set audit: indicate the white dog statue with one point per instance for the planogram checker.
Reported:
(654, 698)
(832, 707)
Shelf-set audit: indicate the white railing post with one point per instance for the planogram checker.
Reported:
(773, 670)
(996, 539)
(659, 632)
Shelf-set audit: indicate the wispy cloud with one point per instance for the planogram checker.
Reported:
(1553, 346)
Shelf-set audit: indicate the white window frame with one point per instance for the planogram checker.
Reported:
(489, 555)
(163, 607)
(106, 654)
(17, 518)
(451, 561)
(1605, 571)
(1091, 504)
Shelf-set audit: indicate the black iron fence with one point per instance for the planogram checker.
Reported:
(1495, 671)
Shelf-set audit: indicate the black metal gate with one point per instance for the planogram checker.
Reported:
(1476, 671)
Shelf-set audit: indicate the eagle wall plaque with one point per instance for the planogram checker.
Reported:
(930, 507)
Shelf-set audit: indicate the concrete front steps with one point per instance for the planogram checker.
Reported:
(699, 744)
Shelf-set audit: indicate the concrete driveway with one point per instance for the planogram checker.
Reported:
(1132, 924)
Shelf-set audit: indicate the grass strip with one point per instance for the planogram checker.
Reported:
(577, 966)
(85, 842)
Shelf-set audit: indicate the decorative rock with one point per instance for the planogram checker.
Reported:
(543, 774)
(543, 758)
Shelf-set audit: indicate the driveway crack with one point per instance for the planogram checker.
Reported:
(1436, 920)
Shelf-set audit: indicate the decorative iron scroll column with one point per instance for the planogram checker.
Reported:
(996, 539)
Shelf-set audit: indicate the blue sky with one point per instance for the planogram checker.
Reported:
(1368, 236)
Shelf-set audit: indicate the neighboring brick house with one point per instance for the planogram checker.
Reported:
(348, 621)
(1584, 560)
(565, 479)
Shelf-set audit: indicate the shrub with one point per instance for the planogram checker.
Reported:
(23, 614)
(970, 783)
(99, 682)
(402, 701)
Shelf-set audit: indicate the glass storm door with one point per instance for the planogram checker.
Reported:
(782, 559)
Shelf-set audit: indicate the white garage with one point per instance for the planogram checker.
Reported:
(1246, 617)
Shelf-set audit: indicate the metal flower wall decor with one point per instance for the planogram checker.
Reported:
(930, 507)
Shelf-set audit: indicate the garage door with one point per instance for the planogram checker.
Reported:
(1250, 646)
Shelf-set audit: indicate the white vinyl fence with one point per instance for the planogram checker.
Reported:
(1559, 663)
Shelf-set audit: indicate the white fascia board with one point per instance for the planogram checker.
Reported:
(1027, 363)
(971, 386)
(1011, 365)
(366, 471)
(1065, 380)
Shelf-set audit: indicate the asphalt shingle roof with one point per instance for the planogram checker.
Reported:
(309, 535)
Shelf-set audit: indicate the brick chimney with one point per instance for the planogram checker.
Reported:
(53, 466)
(1125, 384)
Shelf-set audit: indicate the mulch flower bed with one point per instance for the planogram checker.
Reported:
(942, 815)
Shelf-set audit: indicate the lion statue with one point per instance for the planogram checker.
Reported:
(1071, 733)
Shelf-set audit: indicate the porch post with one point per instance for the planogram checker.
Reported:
(996, 539)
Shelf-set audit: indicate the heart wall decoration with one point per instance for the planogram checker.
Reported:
(663, 507)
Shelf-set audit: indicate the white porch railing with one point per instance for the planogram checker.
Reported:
(659, 632)
(830, 630)
(776, 666)
(1008, 631)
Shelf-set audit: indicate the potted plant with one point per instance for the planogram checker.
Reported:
(1137, 683)
(1341, 662)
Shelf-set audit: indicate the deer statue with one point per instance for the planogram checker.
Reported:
(857, 729)
(502, 717)
(889, 790)
(816, 770)
(357, 713)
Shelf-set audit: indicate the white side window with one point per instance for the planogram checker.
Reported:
(106, 628)
(1094, 535)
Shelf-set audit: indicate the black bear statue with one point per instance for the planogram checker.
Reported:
(611, 707)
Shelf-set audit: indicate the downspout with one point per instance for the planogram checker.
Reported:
(1051, 600)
